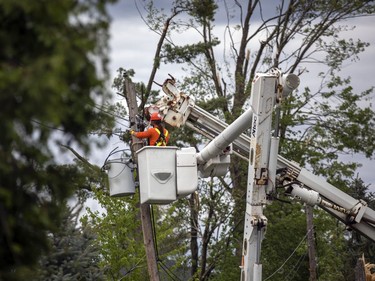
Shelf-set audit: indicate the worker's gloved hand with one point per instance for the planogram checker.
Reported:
(126, 137)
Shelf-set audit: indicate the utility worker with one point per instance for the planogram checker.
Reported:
(157, 135)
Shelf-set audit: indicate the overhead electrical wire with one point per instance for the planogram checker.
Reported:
(295, 268)
(173, 276)
(126, 118)
(159, 261)
(48, 126)
(300, 243)
(133, 268)
(114, 132)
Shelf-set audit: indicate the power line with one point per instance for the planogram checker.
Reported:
(126, 118)
(173, 276)
(303, 239)
(295, 267)
(160, 262)
(154, 232)
(48, 126)
(114, 132)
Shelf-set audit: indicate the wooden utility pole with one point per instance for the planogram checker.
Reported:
(148, 240)
(311, 243)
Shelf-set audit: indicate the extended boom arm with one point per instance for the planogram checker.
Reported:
(267, 169)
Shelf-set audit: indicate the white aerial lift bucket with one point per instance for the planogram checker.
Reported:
(120, 177)
(166, 173)
(157, 174)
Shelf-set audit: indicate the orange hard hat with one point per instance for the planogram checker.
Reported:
(155, 117)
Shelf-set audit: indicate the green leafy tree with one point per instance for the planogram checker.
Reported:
(285, 253)
(119, 237)
(53, 68)
(359, 245)
(117, 225)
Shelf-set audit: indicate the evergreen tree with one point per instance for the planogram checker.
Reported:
(73, 254)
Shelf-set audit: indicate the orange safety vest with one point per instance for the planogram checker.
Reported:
(163, 138)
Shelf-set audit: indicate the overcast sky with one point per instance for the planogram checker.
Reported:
(133, 46)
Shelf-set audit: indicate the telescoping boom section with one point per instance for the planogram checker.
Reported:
(267, 170)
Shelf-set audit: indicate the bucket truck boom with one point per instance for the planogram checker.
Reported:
(267, 170)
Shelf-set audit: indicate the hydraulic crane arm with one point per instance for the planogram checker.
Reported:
(210, 126)
(352, 212)
(347, 209)
(204, 123)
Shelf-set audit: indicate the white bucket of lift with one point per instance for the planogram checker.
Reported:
(157, 174)
(120, 176)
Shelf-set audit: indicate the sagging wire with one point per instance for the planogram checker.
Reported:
(109, 155)
(121, 160)
(173, 276)
(126, 118)
(117, 131)
(291, 255)
(133, 268)
(48, 126)
(295, 268)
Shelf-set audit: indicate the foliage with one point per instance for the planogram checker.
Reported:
(286, 243)
(73, 254)
(53, 68)
(279, 246)
(327, 123)
(117, 224)
(118, 227)
(359, 245)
